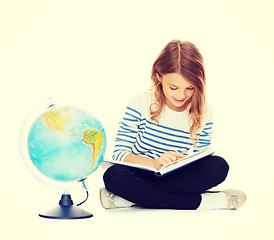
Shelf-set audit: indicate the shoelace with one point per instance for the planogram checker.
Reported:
(112, 197)
(233, 201)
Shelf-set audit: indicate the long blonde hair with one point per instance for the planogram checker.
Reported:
(184, 58)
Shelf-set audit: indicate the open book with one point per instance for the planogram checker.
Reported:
(168, 168)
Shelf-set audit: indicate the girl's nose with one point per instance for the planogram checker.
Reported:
(181, 94)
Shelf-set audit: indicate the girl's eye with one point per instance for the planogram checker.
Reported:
(173, 88)
(190, 88)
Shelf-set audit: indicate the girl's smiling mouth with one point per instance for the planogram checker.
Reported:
(178, 101)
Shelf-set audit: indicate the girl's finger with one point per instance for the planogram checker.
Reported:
(179, 154)
(171, 156)
(166, 160)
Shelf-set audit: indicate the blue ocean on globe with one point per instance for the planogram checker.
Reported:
(66, 143)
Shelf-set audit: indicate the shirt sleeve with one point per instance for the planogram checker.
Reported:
(205, 135)
(128, 130)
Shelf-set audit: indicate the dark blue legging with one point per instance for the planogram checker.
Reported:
(179, 190)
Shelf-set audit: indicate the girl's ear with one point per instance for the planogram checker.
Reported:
(159, 78)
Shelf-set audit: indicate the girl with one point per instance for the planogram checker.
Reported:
(159, 127)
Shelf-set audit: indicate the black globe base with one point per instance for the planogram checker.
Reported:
(66, 210)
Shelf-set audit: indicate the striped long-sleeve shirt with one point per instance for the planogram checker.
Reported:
(140, 135)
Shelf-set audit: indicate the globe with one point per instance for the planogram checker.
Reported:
(66, 143)
(63, 145)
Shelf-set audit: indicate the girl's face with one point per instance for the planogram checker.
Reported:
(177, 91)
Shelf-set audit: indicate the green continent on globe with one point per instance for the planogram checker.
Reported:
(56, 119)
(95, 140)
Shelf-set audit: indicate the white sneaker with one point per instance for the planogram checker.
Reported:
(235, 198)
(109, 200)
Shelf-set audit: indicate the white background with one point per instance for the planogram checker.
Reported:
(97, 54)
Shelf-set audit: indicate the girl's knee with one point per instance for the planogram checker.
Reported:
(220, 167)
(110, 174)
(216, 169)
(113, 176)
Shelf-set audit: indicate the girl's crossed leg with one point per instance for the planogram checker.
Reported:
(179, 190)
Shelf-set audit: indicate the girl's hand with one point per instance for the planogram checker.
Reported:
(166, 158)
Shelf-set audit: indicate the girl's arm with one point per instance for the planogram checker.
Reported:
(205, 135)
(128, 130)
(132, 158)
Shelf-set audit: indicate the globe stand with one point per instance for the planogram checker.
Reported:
(66, 210)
